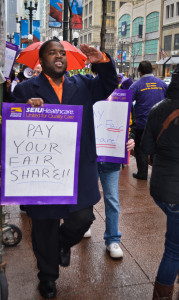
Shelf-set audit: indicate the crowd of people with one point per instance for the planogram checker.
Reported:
(151, 133)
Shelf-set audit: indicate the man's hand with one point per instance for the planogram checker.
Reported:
(94, 56)
(35, 102)
(130, 144)
(8, 84)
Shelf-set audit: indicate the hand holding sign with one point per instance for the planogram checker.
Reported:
(36, 102)
(130, 145)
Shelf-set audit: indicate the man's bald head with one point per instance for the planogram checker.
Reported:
(37, 70)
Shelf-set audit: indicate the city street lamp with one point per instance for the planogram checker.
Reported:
(10, 37)
(19, 21)
(30, 39)
(55, 34)
(31, 9)
(75, 38)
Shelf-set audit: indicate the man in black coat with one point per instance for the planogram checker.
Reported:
(51, 242)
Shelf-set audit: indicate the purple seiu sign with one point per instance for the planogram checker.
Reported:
(111, 118)
(10, 57)
(40, 154)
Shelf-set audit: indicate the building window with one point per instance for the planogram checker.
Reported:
(167, 42)
(172, 10)
(81, 39)
(110, 21)
(85, 23)
(167, 11)
(152, 22)
(136, 49)
(90, 7)
(85, 39)
(89, 37)
(135, 25)
(86, 10)
(176, 42)
(177, 8)
(125, 19)
(90, 21)
(109, 37)
(151, 46)
(110, 6)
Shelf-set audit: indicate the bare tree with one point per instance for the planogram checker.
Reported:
(103, 27)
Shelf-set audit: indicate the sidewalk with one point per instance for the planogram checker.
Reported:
(93, 275)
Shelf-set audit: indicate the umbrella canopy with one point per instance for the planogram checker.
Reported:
(30, 56)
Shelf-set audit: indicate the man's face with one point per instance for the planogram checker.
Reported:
(54, 60)
(37, 70)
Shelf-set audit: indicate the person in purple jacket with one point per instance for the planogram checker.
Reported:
(146, 92)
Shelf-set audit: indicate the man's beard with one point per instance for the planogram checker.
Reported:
(54, 74)
(57, 74)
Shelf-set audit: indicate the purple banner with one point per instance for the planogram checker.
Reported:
(111, 119)
(40, 154)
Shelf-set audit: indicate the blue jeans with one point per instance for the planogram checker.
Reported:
(169, 265)
(109, 177)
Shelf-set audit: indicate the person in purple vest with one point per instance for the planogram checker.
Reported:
(146, 92)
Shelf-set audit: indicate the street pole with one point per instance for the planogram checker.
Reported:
(65, 21)
(17, 21)
(121, 54)
(30, 15)
(30, 9)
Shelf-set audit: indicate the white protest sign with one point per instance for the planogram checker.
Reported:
(40, 154)
(10, 56)
(111, 120)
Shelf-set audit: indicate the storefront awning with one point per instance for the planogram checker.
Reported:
(162, 61)
(173, 60)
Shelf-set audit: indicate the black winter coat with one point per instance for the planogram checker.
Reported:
(164, 184)
(77, 90)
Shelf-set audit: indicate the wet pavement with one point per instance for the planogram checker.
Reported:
(93, 275)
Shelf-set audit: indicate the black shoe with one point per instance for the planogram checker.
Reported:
(47, 289)
(135, 175)
(64, 257)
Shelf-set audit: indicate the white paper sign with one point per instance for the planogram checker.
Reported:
(40, 153)
(10, 56)
(110, 127)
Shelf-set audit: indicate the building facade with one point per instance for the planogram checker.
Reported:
(138, 34)
(10, 9)
(170, 35)
(92, 20)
